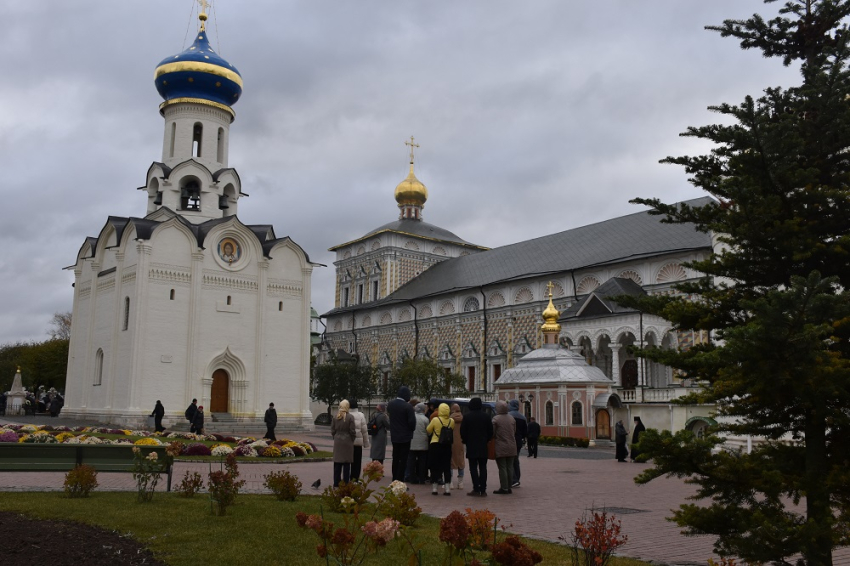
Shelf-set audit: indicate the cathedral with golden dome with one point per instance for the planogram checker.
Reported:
(532, 321)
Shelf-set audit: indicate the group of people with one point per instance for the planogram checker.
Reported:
(429, 441)
(45, 402)
(621, 436)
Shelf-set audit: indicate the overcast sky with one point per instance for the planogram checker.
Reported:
(533, 117)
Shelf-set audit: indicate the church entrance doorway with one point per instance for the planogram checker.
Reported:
(220, 389)
(603, 424)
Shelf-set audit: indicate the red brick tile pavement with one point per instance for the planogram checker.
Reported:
(554, 493)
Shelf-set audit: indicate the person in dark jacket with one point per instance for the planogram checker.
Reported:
(402, 425)
(533, 436)
(56, 404)
(271, 421)
(620, 438)
(157, 414)
(190, 414)
(476, 430)
(198, 421)
(636, 432)
(521, 434)
(378, 451)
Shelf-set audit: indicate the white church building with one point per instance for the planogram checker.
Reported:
(187, 301)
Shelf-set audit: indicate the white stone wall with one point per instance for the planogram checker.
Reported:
(173, 345)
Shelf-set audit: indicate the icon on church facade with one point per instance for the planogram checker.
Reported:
(229, 250)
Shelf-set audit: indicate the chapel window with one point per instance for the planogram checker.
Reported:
(173, 136)
(550, 413)
(220, 152)
(171, 295)
(197, 136)
(98, 367)
(576, 413)
(126, 324)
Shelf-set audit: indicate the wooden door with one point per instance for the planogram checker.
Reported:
(603, 424)
(220, 389)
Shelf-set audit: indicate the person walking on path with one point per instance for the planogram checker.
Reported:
(378, 452)
(504, 431)
(190, 414)
(533, 437)
(157, 414)
(620, 438)
(440, 453)
(198, 420)
(458, 461)
(402, 425)
(361, 440)
(636, 432)
(417, 468)
(271, 421)
(343, 433)
(476, 430)
(521, 434)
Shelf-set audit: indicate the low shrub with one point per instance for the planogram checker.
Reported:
(513, 552)
(564, 441)
(283, 484)
(197, 450)
(595, 538)
(80, 481)
(190, 484)
(400, 505)
(224, 485)
(270, 452)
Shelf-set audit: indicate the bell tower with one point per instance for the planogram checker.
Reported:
(199, 88)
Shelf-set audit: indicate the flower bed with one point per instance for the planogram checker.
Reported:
(247, 447)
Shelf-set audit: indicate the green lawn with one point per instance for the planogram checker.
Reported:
(257, 530)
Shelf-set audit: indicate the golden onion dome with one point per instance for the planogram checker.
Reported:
(411, 191)
(550, 317)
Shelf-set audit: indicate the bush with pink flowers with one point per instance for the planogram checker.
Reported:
(197, 450)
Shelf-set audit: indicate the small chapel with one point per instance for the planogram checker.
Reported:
(187, 302)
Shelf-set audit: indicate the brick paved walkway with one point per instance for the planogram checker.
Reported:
(556, 489)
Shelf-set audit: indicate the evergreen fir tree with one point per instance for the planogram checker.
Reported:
(775, 299)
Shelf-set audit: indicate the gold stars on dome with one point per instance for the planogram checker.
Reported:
(550, 327)
(411, 192)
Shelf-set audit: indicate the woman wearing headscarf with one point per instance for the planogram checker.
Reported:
(458, 461)
(440, 454)
(343, 432)
(378, 452)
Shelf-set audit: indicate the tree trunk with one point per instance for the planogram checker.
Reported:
(817, 537)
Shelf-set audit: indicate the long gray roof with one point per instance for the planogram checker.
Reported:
(619, 239)
(415, 228)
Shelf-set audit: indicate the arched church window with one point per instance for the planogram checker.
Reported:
(550, 413)
(228, 300)
(126, 324)
(98, 367)
(280, 306)
(576, 413)
(190, 196)
(197, 136)
(173, 136)
(220, 152)
(171, 295)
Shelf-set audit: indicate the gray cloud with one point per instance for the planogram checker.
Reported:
(533, 117)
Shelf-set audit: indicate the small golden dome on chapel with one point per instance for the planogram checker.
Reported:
(550, 316)
(411, 191)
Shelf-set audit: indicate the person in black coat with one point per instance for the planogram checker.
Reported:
(190, 414)
(402, 425)
(636, 432)
(157, 414)
(271, 421)
(198, 421)
(620, 438)
(533, 435)
(476, 430)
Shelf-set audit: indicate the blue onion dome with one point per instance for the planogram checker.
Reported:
(200, 75)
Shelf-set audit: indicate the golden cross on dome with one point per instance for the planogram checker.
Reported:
(412, 145)
(203, 14)
(550, 286)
